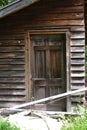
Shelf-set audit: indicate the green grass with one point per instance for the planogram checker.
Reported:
(76, 123)
(6, 125)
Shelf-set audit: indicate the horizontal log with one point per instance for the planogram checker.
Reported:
(11, 49)
(62, 16)
(77, 55)
(12, 80)
(15, 76)
(77, 43)
(73, 87)
(12, 59)
(59, 23)
(17, 62)
(14, 32)
(11, 83)
(12, 93)
(11, 37)
(59, 15)
(78, 84)
(77, 34)
(36, 28)
(12, 73)
(80, 35)
(77, 68)
(77, 49)
(11, 99)
(12, 68)
(76, 29)
(12, 86)
(12, 44)
(78, 95)
(78, 75)
(77, 62)
(77, 81)
(12, 55)
(11, 41)
(51, 28)
(7, 104)
(8, 34)
(70, 9)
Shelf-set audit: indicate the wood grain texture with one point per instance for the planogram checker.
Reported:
(45, 15)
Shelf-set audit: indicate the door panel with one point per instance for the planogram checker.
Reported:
(48, 68)
(54, 63)
(40, 63)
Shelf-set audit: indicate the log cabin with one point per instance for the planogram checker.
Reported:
(42, 52)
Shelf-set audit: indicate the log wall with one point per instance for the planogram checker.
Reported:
(44, 15)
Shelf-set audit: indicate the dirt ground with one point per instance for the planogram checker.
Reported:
(37, 121)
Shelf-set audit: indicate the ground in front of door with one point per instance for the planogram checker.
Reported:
(35, 121)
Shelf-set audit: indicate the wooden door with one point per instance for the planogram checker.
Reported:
(48, 68)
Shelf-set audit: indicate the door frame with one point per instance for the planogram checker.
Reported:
(28, 58)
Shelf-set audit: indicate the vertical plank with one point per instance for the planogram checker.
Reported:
(68, 69)
(27, 66)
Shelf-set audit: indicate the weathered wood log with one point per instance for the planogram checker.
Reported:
(49, 98)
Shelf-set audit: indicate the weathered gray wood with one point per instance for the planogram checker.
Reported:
(78, 81)
(75, 61)
(77, 35)
(78, 75)
(12, 49)
(12, 99)
(12, 86)
(75, 87)
(10, 103)
(12, 80)
(12, 67)
(10, 74)
(12, 93)
(77, 68)
(12, 62)
(77, 48)
(77, 55)
(78, 43)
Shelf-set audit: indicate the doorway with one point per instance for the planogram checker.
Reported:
(48, 68)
